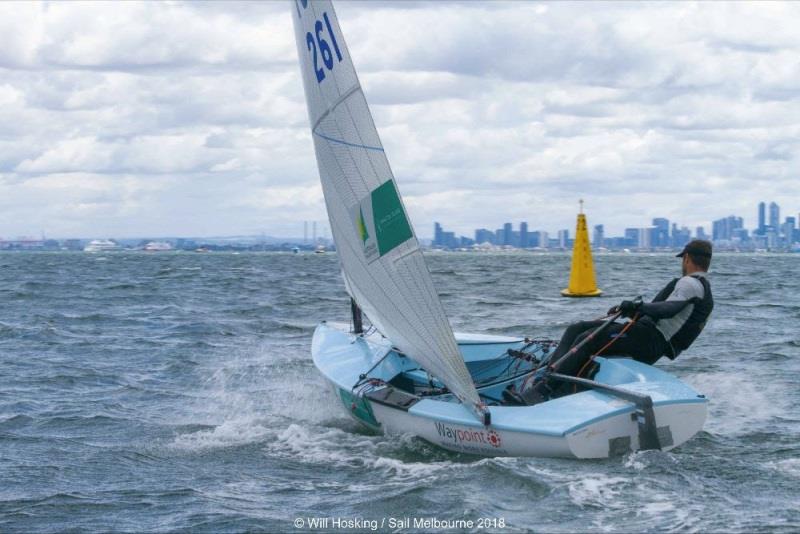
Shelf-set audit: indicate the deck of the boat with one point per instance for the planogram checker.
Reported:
(343, 358)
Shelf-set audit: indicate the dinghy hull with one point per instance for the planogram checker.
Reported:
(587, 424)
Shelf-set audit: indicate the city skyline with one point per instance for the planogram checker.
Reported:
(311, 229)
(771, 232)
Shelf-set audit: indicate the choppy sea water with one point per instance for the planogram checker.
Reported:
(175, 391)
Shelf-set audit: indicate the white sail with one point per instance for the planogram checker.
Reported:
(380, 257)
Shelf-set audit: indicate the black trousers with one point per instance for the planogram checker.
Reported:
(642, 341)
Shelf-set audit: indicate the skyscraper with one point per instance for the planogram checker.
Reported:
(788, 231)
(645, 237)
(774, 216)
(523, 235)
(723, 229)
(544, 239)
(563, 237)
(482, 235)
(444, 239)
(762, 222)
(660, 236)
(632, 237)
(598, 238)
(507, 234)
(680, 237)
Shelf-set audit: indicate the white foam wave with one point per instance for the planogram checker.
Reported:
(738, 402)
(232, 433)
(663, 509)
(339, 448)
(790, 466)
(600, 491)
(657, 507)
(641, 460)
(251, 393)
(633, 461)
(644, 498)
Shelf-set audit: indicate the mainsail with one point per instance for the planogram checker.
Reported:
(381, 260)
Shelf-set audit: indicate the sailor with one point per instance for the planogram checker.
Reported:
(666, 326)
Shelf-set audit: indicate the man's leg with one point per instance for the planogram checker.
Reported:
(641, 342)
(570, 336)
(575, 361)
(575, 334)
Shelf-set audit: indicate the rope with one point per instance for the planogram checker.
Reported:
(516, 356)
(362, 378)
(543, 346)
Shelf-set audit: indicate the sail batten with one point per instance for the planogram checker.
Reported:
(381, 261)
(333, 107)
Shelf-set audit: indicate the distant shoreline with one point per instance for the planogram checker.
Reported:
(310, 252)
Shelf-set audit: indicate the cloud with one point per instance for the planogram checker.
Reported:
(189, 118)
(134, 36)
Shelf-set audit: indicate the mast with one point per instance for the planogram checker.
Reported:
(358, 325)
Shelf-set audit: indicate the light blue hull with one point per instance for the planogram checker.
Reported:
(586, 424)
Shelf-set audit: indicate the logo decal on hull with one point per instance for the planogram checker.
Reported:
(468, 439)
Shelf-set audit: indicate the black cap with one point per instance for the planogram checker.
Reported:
(696, 247)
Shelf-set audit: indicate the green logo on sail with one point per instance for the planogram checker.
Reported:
(391, 225)
(381, 222)
(362, 227)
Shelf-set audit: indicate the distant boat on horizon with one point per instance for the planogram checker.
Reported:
(157, 246)
(102, 245)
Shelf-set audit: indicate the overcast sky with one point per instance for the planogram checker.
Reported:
(144, 119)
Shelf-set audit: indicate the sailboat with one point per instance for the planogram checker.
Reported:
(409, 373)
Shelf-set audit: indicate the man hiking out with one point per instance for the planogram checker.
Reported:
(666, 326)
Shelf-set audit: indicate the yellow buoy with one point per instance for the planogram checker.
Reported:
(581, 278)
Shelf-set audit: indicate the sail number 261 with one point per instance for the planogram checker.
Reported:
(318, 46)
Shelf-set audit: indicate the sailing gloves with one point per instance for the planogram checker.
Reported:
(628, 308)
(654, 310)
